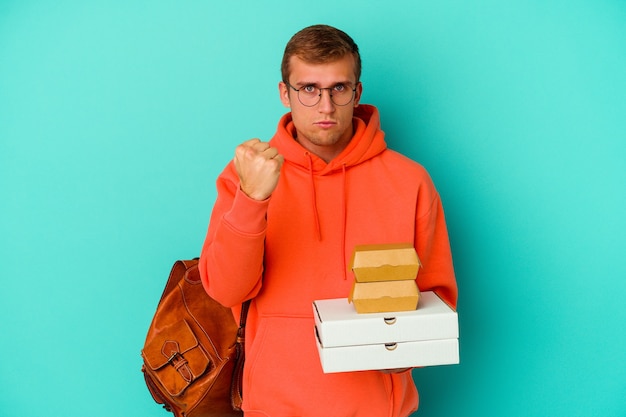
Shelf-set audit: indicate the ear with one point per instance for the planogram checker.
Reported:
(283, 91)
(357, 94)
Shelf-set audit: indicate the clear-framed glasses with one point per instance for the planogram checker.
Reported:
(310, 95)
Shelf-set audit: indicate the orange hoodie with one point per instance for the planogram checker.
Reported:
(293, 248)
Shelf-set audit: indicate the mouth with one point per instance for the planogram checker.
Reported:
(325, 124)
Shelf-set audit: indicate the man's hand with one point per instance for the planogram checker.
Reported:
(258, 166)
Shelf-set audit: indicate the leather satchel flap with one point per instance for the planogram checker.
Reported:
(175, 357)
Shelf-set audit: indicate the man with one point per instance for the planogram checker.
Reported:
(287, 218)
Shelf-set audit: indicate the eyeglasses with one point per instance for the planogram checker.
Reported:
(310, 95)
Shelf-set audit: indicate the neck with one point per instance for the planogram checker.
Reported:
(324, 152)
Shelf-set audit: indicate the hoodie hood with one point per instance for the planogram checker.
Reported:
(367, 141)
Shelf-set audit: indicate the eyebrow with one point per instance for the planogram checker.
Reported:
(304, 83)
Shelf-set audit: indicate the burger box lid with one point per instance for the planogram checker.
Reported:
(386, 262)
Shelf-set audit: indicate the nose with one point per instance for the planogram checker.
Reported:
(326, 104)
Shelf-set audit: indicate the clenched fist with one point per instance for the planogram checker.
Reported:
(258, 166)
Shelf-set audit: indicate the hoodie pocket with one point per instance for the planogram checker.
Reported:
(285, 376)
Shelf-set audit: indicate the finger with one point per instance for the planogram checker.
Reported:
(249, 147)
(260, 146)
(270, 152)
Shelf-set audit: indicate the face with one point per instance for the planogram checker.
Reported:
(324, 129)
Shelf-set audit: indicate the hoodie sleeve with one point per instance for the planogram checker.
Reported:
(231, 261)
(433, 248)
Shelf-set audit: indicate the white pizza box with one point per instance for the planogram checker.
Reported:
(389, 356)
(338, 324)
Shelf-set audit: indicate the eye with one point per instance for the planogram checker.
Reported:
(340, 88)
(309, 89)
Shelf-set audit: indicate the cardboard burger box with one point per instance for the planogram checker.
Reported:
(384, 278)
(351, 341)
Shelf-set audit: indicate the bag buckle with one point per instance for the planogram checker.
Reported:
(177, 360)
(176, 356)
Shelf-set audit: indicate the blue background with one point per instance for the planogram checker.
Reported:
(116, 117)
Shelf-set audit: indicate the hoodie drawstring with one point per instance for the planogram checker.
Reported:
(343, 222)
(316, 216)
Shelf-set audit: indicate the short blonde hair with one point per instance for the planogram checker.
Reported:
(320, 44)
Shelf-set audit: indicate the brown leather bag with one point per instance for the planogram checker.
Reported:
(194, 351)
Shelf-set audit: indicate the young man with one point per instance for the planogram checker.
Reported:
(287, 218)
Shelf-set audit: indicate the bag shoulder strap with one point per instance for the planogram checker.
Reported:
(244, 314)
(236, 390)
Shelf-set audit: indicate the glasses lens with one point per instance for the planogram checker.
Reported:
(342, 95)
(309, 95)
